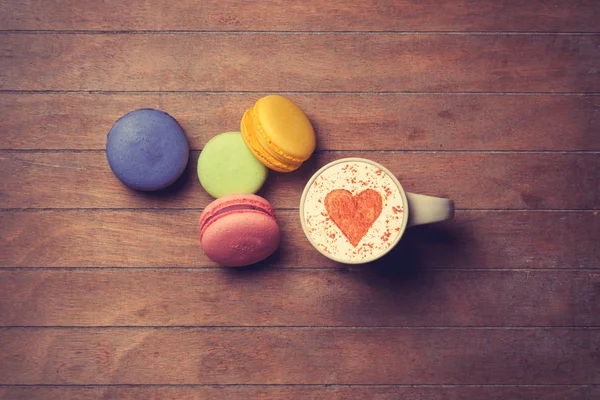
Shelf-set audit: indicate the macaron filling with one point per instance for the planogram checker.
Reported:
(232, 208)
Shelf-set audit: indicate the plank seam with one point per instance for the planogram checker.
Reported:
(325, 385)
(341, 269)
(199, 209)
(287, 92)
(284, 32)
(296, 328)
(394, 151)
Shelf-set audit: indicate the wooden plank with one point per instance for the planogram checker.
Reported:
(367, 297)
(337, 15)
(473, 180)
(527, 240)
(342, 121)
(566, 392)
(301, 356)
(300, 62)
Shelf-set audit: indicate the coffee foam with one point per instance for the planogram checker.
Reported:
(354, 176)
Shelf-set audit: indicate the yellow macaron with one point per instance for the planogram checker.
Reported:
(278, 133)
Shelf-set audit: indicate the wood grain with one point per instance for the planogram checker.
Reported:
(492, 103)
(300, 62)
(527, 240)
(299, 298)
(342, 121)
(472, 180)
(301, 356)
(566, 392)
(336, 15)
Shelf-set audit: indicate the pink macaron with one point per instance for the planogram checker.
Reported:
(238, 230)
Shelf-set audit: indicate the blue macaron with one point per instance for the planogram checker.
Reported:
(147, 149)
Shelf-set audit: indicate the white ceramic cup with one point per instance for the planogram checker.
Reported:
(354, 210)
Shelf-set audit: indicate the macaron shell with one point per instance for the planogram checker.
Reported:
(235, 200)
(241, 238)
(227, 166)
(285, 126)
(253, 144)
(147, 149)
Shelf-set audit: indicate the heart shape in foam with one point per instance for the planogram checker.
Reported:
(354, 215)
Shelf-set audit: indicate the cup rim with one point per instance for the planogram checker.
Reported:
(366, 161)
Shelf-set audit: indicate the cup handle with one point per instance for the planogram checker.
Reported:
(427, 209)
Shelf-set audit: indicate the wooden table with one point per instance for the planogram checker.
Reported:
(106, 294)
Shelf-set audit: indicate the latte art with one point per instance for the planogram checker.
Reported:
(353, 211)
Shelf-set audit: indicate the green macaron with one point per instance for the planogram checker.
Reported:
(226, 166)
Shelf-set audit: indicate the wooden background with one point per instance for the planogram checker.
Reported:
(105, 293)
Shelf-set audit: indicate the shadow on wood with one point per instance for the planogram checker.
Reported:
(406, 263)
(268, 263)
